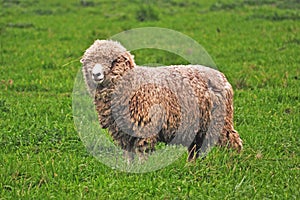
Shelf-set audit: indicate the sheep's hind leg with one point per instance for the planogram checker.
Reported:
(195, 148)
(192, 154)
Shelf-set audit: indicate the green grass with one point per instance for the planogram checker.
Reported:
(255, 43)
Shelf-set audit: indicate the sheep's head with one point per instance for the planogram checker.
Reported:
(104, 60)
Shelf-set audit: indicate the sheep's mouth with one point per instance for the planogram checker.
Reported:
(98, 80)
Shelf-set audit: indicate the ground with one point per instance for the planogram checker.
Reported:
(254, 43)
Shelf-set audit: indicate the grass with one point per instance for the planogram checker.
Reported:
(255, 43)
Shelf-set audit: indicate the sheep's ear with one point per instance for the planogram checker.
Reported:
(81, 60)
(129, 61)
(125, 61)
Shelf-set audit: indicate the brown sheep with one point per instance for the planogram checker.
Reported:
(190, 105)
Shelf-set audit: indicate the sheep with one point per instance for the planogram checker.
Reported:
(190, 105)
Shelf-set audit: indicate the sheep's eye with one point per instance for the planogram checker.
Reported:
(114, 63)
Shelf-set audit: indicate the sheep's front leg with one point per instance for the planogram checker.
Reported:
(144, 146)
(128, 157)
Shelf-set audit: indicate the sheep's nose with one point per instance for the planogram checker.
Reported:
(96, 76)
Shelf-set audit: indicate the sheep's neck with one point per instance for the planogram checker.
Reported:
(104, 94)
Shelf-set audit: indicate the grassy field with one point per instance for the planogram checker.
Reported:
(255, 43)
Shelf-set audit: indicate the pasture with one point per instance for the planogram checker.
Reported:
(255, 43)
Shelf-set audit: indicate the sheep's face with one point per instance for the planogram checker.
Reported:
(94, 73)
(103, 61)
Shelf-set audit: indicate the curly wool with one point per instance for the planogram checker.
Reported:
(141, 106)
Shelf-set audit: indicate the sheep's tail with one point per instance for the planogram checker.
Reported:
(230, 136)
